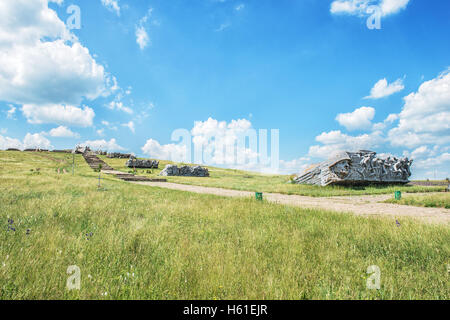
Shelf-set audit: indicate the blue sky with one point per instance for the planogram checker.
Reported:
(137, 70)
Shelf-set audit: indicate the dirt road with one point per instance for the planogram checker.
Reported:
(360, 205)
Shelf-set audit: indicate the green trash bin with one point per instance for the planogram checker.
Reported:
(258, 196)
(398, 195)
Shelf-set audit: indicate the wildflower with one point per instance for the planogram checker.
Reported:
(10, 221)
(397, 223)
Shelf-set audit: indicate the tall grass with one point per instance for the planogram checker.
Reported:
(136, 242)
(435, 200)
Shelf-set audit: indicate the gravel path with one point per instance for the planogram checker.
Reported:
(360, 205)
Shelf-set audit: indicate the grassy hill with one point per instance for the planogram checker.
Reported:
(136, 242)
(252, 181)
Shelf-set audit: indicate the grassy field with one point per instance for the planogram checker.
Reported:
(251, 181)
(436, 200)
(136, 242)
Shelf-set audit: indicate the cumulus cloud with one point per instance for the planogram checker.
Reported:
(63, 132)
(7, 142)
(359, 7)
(425, 117)
(110, 145)
(112, 5)
(335, 141)
(382, 89)
(216, 143)
(41, 62)
(173, 152)
(59, 114)
(293, 166)
(37, 140)
(59, 70)
(358, 119)
(30, 141)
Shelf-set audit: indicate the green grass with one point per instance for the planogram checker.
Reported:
(251, 181)
(435, 200)
(152, 243)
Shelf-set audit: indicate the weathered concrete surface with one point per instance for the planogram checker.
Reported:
(118, 155)
(142, 164)
(355, 168)
(173, 170)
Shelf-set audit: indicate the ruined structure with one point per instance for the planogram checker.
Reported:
(142, 164)
(173, 170)
(118, 155)
(357, 168)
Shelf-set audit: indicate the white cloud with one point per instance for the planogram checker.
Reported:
(382, 89)
(359, 119)
(391, 118)
(393, 6)
(118, 105)
(173, 152)
(207, 136)
(129, 125)
(11, 112)
(30, 141)
(222, 27)
(63, 132)
(58, 70)
(7, 142)
(142, 38)
(112, 5)
(425, 117)
(110, 145)
(37, 140)
(294, 166)
(335, 141)
(382, 125)
(359, 7)
(239, 7)
(59, 114)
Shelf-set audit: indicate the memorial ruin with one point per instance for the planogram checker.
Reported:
(357, 168)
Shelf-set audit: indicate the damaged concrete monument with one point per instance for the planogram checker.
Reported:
(142, 164)
(357, 168)
(173, 170)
